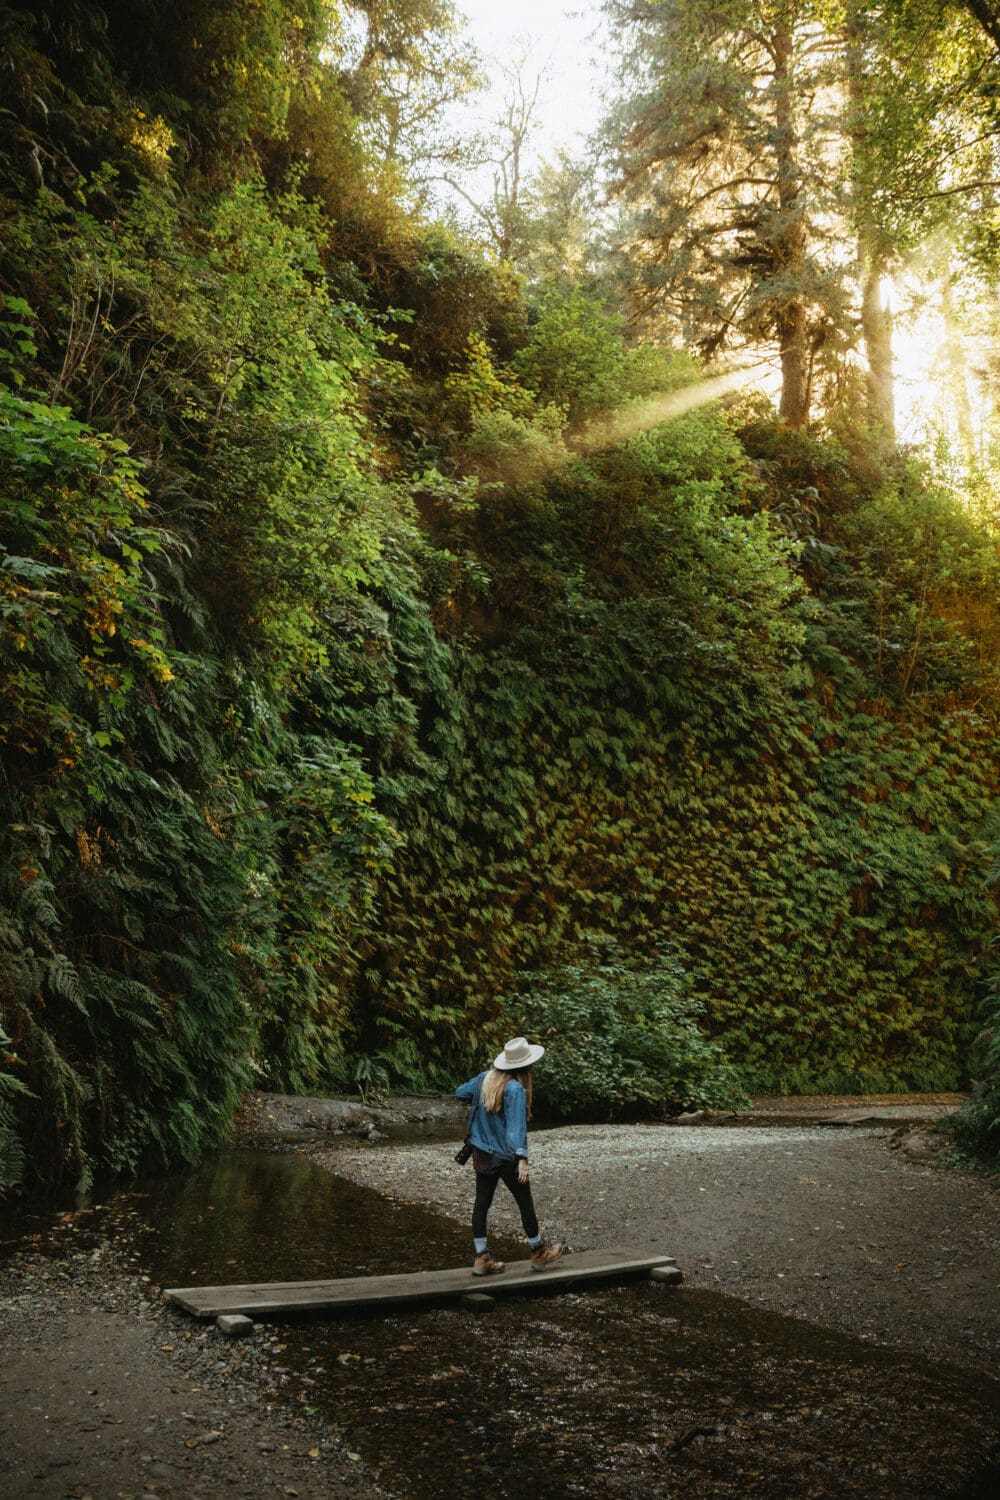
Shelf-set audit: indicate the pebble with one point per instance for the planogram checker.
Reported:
(242, 1384)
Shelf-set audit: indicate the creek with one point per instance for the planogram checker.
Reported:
(628, 1390)
(631, 1389)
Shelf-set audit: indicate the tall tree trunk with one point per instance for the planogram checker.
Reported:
(789, 244)
(876, 315)
(876, 326)
(986, 13)
(793, 345)
(957, 371)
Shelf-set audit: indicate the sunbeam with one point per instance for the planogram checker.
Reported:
(624, 422)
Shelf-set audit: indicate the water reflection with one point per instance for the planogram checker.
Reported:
(269, 1216)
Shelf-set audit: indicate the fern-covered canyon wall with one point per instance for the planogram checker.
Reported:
(349, 688)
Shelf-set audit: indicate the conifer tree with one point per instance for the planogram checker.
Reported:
(727, 165)
(920, 144)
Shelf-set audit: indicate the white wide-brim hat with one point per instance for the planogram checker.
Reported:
(519, 1053)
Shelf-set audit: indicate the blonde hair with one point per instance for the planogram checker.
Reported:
(497, 1080)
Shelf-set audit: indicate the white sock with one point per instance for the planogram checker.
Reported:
(479, 1246)
(535, 1242)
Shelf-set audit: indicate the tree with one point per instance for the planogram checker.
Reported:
(920, 157)
(755, 139)
(874, 245)
(723, 138)
(561, 224)
(985, 12)
(498, 214)
(402, 66)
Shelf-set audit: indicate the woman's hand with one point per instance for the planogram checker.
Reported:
(523, 1175)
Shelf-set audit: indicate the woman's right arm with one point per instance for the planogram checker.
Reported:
(467, 1090)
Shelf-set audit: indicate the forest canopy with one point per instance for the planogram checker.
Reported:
(423, 609)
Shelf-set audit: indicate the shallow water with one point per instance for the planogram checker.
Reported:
(277, 1216)
(638, 1390)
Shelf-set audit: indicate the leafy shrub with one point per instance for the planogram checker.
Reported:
(574, 355)
(506, 449)
(622, 1037)
(11, 1148)
(925, 579)
(978, 1123)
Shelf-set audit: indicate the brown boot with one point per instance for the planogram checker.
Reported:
(544, 1256)
(485, 1265)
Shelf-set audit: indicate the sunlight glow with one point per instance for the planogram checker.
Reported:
(623, 422)
(641, 416)
(941, 386)
(937, 368)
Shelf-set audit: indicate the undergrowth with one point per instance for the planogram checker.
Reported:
(354, 674)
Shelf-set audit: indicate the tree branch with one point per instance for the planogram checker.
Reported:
(985, 12)
(964, 187)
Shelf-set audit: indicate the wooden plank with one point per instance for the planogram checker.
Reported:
(354, 1293)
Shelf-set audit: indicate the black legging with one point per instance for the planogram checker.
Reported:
(486, 1186)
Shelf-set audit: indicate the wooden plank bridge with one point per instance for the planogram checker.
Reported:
(372, 1293)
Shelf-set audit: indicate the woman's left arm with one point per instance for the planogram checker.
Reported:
(516, 1119)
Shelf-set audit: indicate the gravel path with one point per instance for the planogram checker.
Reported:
(833, 1226)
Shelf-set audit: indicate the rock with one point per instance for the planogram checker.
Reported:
(921, 1146)
(670, 1275)
(689, 1117)
(234, 1325)
(478, 1302)
(917, 1143)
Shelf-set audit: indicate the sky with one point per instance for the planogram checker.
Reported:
(558, 36)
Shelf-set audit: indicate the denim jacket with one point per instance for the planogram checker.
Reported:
(505, 1134)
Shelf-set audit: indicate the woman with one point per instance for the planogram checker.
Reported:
(499, 1111)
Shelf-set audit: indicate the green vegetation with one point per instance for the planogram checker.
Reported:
(364, 690)
(978, 1122)
(623, 1037)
